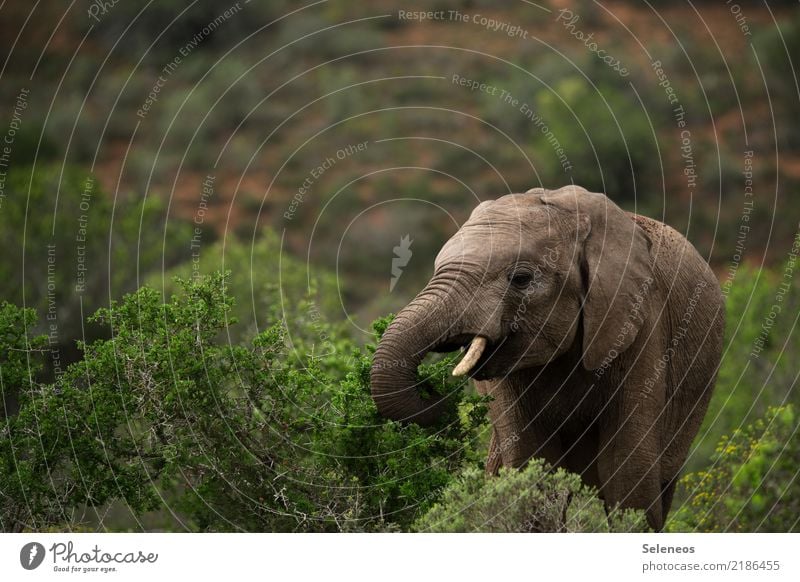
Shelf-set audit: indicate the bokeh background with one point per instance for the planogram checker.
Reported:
(310, 148)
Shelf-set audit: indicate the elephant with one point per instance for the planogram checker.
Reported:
(596, 332)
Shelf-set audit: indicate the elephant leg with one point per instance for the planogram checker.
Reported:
(524, 443)
(629, 470)
(516, 434)
(667, 492)
(495, 459)
(580, 455)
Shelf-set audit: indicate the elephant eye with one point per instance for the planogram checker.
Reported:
(520, 279)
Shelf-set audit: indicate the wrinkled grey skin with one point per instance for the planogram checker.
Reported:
(604, 330)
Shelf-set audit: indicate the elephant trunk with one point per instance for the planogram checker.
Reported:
(415, 331)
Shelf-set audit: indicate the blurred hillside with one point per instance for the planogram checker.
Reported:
(345, 127)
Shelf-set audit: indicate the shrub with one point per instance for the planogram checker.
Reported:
(174, 23)
(308, 36)
(751, 485)
(609, 142)
(17, 345)
(230, 437)
(775, 46)
(270, 284)
(536, 499)
(748, 384)
(79, 251)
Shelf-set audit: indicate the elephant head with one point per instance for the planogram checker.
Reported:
(526, 278)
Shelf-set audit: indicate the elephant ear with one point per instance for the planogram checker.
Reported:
(617, 277)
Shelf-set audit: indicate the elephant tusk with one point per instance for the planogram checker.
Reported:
(472, 356)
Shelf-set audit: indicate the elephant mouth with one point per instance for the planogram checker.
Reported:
(478, 354)
(454, 343)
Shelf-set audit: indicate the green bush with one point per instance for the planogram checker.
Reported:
(776, 45)
(536, 499)
(77, 246)
(605, 134)
(17, 345)
(751, 485)
(308, 36)
(231, 437)
(170, 24)
(748, 384)
(281, 434)
(270, 285)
